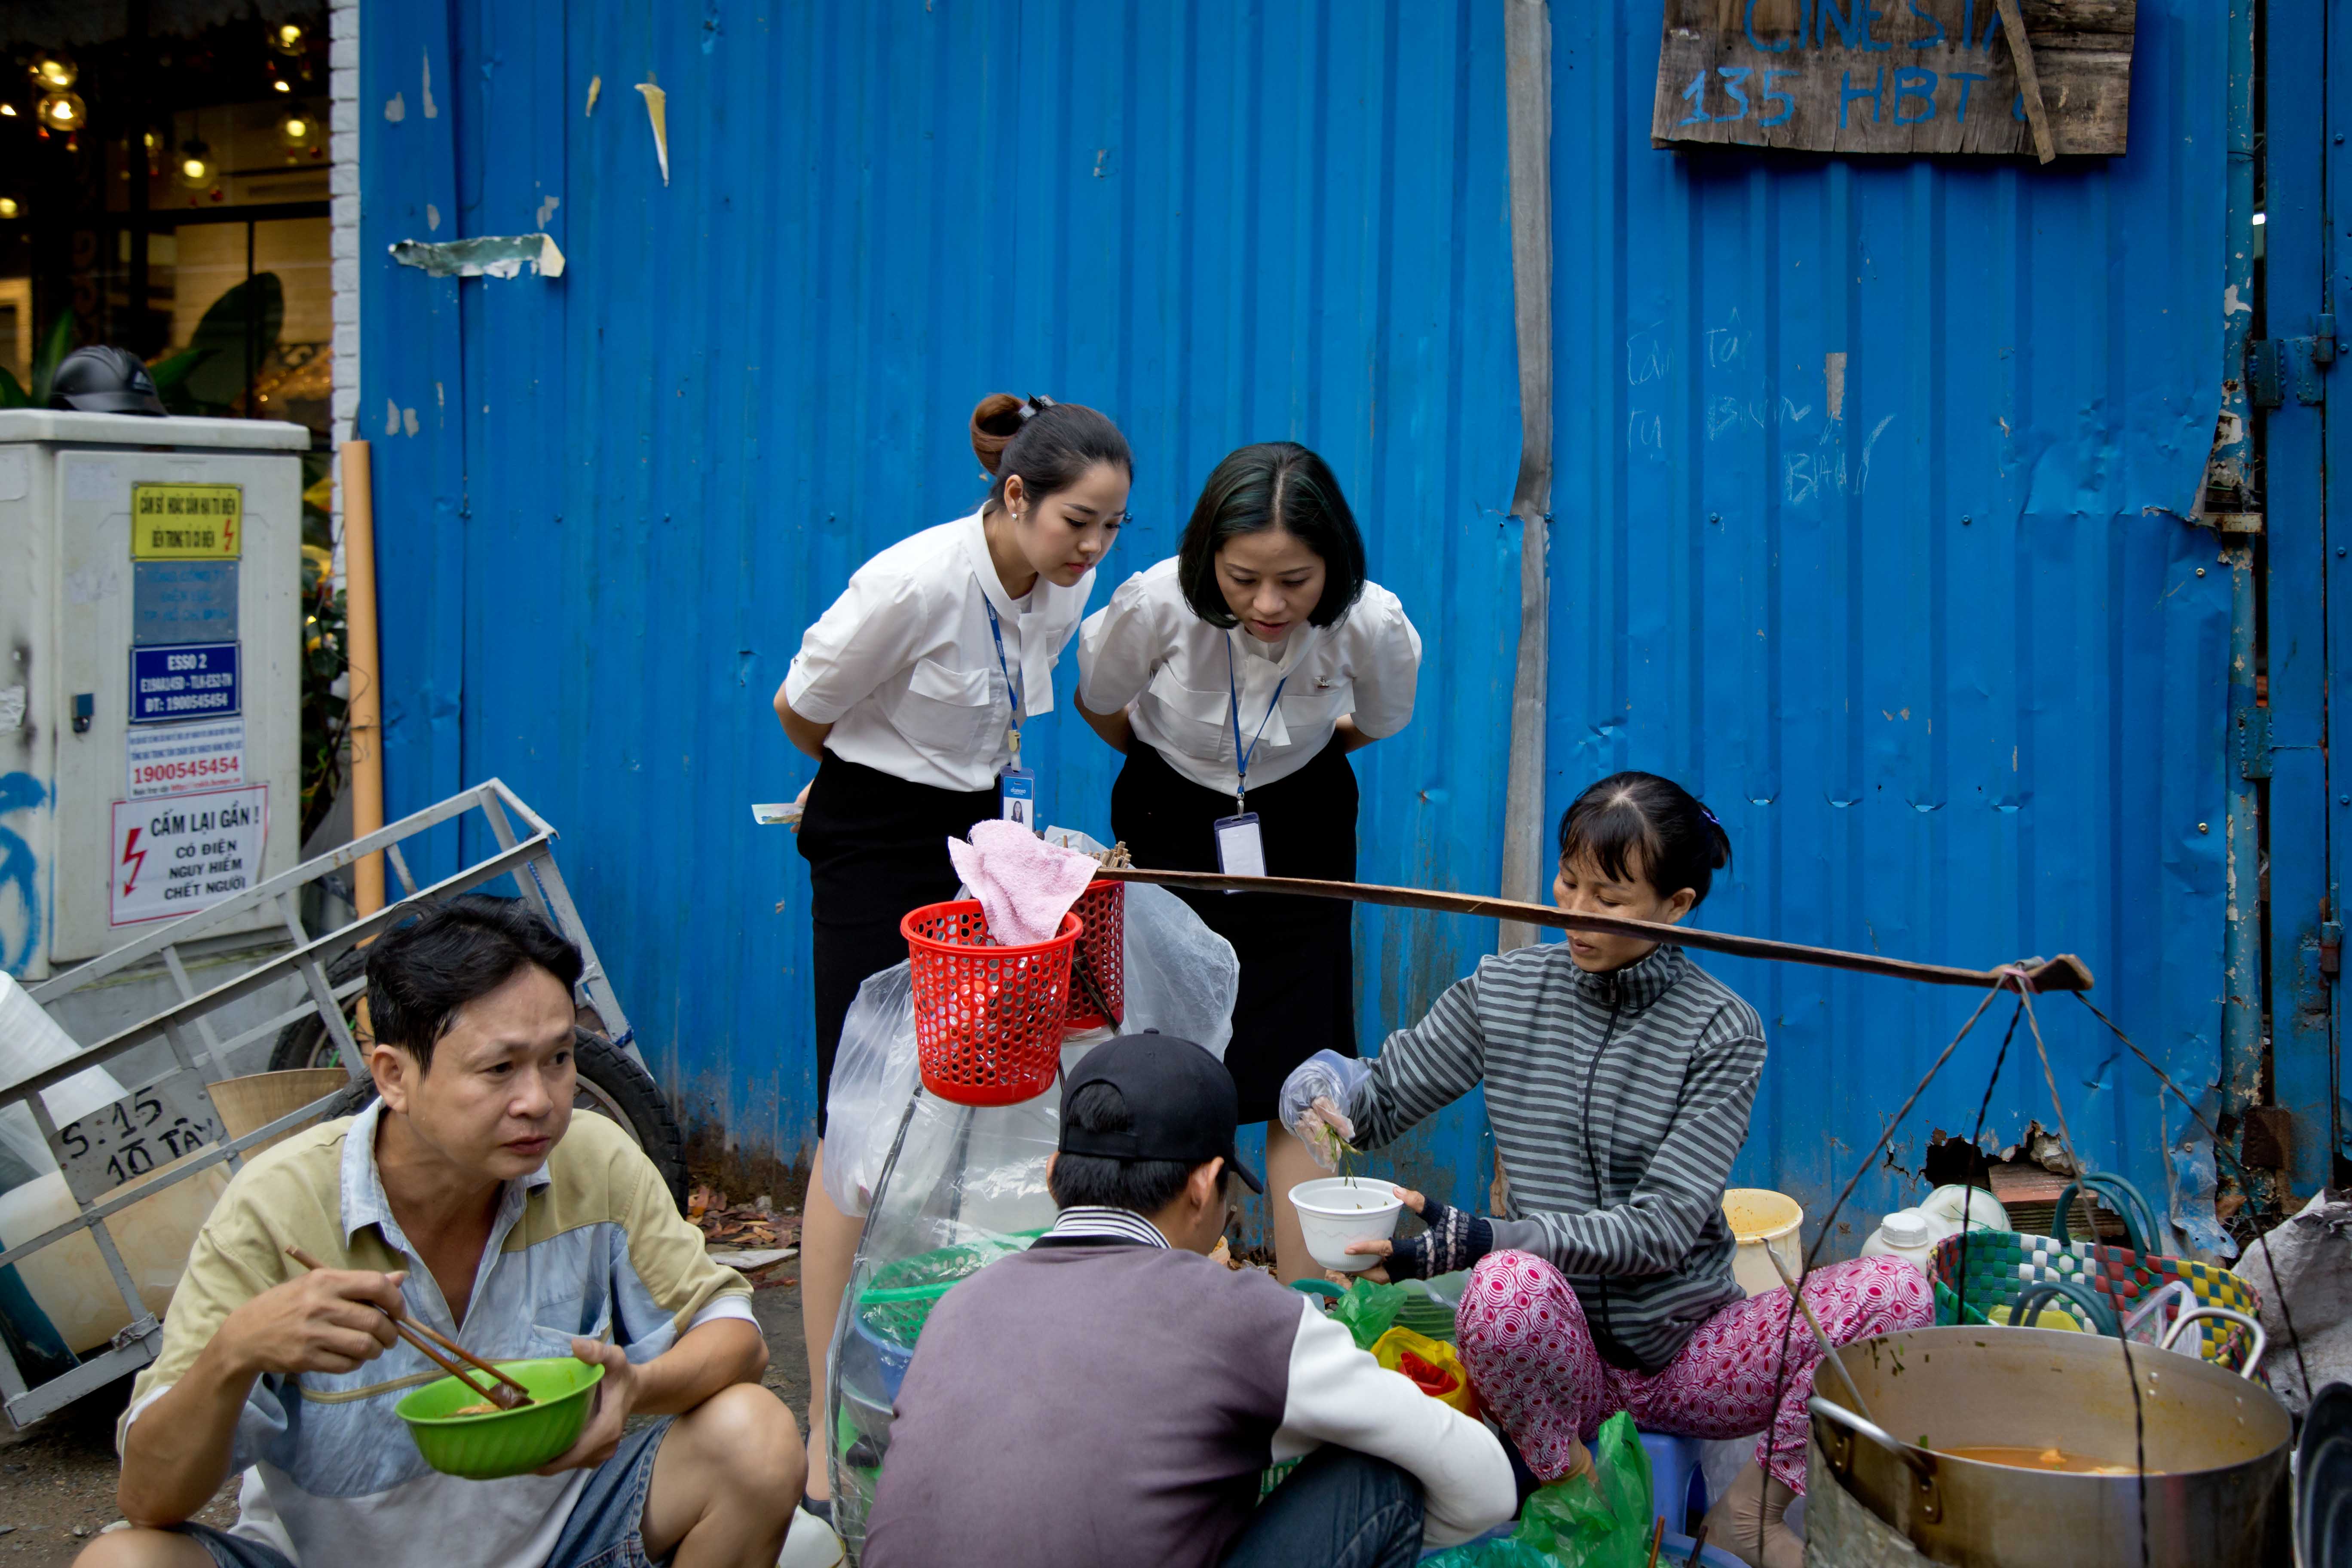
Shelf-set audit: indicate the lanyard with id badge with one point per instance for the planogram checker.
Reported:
(1016, 786)
(1241, 848)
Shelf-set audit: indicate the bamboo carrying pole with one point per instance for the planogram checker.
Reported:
(364, 709)
(2064, 972)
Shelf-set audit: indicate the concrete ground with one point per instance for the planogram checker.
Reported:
(57, 1476)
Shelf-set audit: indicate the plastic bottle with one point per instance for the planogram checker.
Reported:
(1905, 1233)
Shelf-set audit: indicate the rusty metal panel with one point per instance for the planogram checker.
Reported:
(1880, 549)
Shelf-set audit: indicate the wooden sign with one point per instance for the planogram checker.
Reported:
(1894, 75)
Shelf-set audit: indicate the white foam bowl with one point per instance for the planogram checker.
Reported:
(1336, 1210)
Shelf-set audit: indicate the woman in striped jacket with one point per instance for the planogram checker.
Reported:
(1619, 1076)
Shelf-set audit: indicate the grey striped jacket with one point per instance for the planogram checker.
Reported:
(1618, 1102)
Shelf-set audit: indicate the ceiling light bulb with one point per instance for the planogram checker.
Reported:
(64, 111)
(8, 110)
(195, 165)
(287, 37)
(8, 207)
(281, 86)
(55, 72)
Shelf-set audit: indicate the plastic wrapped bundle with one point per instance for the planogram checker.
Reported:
(1180, 979)
(964, 1185)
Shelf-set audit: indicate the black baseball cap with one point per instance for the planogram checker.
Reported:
(1182, 1098)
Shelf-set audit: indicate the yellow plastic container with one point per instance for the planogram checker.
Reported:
(1761, 1219)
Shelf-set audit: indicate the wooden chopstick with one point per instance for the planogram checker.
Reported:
(2064, 972)
(417, 1334)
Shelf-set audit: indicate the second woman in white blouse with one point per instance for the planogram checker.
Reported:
(1236, 677)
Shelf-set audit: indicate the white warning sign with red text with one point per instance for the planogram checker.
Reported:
(182, 853)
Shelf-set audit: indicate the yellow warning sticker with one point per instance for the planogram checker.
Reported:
(187, 522)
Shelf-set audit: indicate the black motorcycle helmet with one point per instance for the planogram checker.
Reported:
(105, 380)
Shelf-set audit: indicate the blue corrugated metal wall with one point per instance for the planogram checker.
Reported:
(1235, 224)
(1868, 530)
(1864, 515)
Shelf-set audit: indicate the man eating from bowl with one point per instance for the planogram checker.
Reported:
(1113, 1395)
(469, 1199)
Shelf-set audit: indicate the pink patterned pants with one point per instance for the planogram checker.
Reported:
(1524, 1342)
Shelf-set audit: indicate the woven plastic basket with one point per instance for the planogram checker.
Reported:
(1102, 948)
(988, 1019)
(2003, 1264)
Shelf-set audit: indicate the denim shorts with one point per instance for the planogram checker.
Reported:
(601, 1532)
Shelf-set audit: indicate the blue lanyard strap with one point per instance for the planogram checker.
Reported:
(1241, 756)
(1014, 688)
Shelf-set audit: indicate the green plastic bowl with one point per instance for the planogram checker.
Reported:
(506, 1442)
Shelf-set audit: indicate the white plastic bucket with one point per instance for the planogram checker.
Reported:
(1336, 1210)
(1761, 1219)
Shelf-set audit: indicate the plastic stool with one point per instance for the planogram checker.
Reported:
(1677, 1484)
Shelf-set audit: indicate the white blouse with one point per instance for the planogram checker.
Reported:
(1147, 648)
(905, 670)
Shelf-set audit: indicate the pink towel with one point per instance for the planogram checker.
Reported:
(1024, 884)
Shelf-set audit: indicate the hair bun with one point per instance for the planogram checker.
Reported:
(996, 419)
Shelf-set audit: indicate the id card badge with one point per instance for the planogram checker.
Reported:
(1017, 796)
(1241, 852)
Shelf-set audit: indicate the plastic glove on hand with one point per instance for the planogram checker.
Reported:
(1313, 1104)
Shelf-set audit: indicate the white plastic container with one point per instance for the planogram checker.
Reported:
(1942, 1207)
(1908, 1235)
(1336, 1210)
(1761, 1219)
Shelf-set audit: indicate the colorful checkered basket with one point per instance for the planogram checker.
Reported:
(2002, 1264)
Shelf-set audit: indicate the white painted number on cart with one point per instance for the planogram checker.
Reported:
(137, 1133)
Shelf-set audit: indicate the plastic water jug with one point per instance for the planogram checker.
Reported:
(1905, 1233)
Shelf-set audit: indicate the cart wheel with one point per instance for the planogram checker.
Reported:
(305, 1043)
(613, 1086)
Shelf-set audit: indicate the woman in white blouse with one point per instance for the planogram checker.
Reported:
(911, 692)
(1236, 677)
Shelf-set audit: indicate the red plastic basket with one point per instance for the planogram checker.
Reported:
(1102, 948)
(988, 1019)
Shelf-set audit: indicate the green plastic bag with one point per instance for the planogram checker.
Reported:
(1370, 1310)
(1600, 1520)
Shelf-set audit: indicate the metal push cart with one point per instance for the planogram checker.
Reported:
(175, 1104)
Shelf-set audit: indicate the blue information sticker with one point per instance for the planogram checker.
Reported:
(184, 681)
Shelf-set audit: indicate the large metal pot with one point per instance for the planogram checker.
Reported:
(2216, 1446)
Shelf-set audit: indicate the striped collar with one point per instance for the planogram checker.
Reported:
(1086, 1223)
(1637, 986)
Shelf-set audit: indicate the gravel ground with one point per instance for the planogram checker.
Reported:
(57, 1476)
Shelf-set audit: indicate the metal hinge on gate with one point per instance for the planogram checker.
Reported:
(2253, 742)
(2276, 365)
(2331, 948)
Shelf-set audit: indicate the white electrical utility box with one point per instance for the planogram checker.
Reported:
(150, 658)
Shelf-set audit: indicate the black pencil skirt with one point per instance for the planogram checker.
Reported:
(1297, 958)
(876, 847)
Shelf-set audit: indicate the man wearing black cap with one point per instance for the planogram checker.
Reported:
(1112, 1395)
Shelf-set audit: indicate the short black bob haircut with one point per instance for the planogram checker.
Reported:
(1274, 484)
(1090, 1181)
(427, 968)
(1641, 825)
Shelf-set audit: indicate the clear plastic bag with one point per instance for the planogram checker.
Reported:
(964, 1187)
(875, 1075)
(1181, 976)
(31, 1042)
